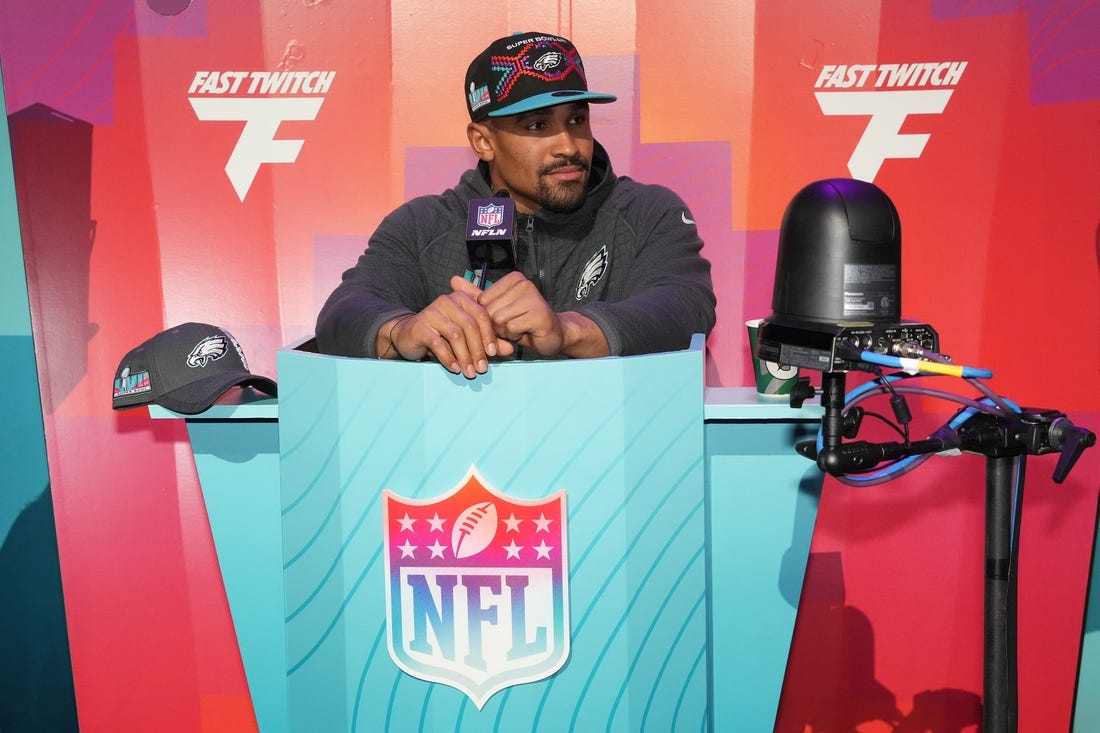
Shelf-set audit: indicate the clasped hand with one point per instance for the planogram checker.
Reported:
(465, 327)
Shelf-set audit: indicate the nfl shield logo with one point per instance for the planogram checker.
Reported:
(491, 215)
(477, 587)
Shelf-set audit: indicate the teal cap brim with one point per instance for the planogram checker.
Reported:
(549, 99)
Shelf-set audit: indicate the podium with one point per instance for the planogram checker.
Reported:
(621, 438)
(595, 544)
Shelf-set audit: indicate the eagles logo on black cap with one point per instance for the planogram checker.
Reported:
(185, 369)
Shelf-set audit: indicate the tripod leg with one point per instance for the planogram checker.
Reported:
(999, 704)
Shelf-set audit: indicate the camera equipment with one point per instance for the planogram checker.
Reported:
(837, 308)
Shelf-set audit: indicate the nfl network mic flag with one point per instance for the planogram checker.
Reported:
(491, 236)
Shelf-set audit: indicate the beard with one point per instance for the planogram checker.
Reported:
(562, 197)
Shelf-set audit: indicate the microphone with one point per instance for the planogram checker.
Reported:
(491, 236)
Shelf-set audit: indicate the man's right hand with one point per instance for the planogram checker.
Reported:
(454, 329)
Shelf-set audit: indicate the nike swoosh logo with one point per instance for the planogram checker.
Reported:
(685, 219)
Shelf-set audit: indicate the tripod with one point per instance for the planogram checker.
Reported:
(1006, 441)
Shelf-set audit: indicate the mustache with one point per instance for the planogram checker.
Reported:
(579, 163)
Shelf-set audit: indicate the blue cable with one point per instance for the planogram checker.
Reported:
(895, 362)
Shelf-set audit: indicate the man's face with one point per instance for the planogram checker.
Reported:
(542, 158)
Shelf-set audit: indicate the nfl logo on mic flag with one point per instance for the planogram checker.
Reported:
(490, 216)
(477, 587)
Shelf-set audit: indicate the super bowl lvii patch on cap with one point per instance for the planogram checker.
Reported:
(184, 369)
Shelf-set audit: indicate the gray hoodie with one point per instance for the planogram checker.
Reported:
(630, 259)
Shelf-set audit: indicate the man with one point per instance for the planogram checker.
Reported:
(604, 265)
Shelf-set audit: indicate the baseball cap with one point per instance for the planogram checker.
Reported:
(185, 369)
(524, 72)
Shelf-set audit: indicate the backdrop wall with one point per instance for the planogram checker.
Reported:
(164, 173)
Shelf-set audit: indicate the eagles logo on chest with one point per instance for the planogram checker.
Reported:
(592, 272)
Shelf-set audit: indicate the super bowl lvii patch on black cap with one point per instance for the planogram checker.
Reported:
(185, 369)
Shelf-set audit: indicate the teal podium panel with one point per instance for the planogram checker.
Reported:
(236, 448)
(1086, 712)
(762, 498)
(523, 551)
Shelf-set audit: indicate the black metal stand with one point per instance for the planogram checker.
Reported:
(999, 681)
(1006, 442)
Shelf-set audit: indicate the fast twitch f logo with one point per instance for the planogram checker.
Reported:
(262, 101)
(888, 103)
(257, 144)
